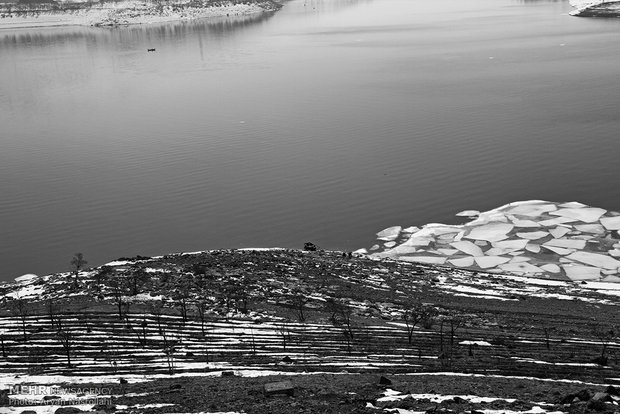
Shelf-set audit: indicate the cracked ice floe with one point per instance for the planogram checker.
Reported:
(587, 215)
(491, 232)
(533, 235)
(611, 223)
(595, 259)
(390, 233)
(564, 241)
(468, 213)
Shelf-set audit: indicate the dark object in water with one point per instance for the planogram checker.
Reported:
(150, 50)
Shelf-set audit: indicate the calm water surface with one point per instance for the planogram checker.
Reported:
(327, 121)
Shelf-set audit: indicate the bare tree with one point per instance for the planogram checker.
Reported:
(605, 334)
(138, 277)
(78, 264)
(299, 301)
(51, 311)
(20, 308)
(285, 333)
(340, 315)
(412, 315)
(201, 307)
(2, 342)
(169, 351)
(118, 292)
(181, 297)
(65, 337)
(156, 308)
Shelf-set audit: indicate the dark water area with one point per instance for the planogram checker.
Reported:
(326, 122)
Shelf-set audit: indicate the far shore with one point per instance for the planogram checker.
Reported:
(595, 8)
(128, 12)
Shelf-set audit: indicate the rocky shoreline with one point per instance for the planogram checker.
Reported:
(595, 8)
(108, 13)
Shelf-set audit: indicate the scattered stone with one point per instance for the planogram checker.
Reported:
(385, 381)
(597, 405)
(104, 408)
(611, 390)
(280, 387)
(68, 410)
(602, 396)
(583, 395)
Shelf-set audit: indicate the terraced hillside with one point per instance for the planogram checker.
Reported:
(256, 313)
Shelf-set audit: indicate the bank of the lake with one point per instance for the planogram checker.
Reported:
(109, 13)
(599, 8)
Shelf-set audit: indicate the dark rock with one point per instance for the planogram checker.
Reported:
(189, 354)
(602, 396)
(310, 247)
(601, 360)
(68, 410)
(583, 395)
(106, 408)
(384, 381)
(228, 373)
(611, 390)
(28, 412)
(597, 405)
(51, 397)
(122, 381)
(459, 400)
(280, 387)
(287, 360)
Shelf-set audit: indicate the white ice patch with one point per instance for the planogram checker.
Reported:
(585, 214)
(490, 232)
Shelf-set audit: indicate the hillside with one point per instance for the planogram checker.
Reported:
(205, 331)
(37, 13)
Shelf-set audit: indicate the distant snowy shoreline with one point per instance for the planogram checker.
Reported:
(123, 13)
(595, 8)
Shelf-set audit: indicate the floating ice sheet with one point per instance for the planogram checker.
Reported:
(490, 232)
(575, 240)
(587, 215)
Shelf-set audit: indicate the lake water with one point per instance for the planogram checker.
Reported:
(324, 122)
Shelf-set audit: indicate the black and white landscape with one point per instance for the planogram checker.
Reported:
(378, 206)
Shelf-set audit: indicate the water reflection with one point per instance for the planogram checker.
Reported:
(135, 34)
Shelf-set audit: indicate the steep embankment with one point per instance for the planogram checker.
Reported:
(109, 13)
